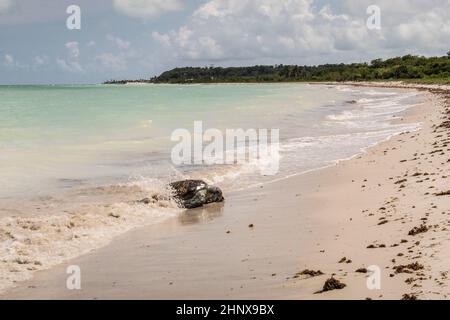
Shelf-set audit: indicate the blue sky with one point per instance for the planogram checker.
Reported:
(141, 38)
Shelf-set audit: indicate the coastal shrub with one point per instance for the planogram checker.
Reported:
(398, 68)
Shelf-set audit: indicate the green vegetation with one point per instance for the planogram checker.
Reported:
(407, 68)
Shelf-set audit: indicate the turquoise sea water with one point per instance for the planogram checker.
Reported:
(52, 137)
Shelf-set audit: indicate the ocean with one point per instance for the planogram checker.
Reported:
(74, 159)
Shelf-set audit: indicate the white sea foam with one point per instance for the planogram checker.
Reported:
(374, 112)
(29, 244)
(380, 93)
(347, 89)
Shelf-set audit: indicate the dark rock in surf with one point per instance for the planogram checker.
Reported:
(195, 193)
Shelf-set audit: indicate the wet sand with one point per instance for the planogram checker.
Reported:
(254, 245)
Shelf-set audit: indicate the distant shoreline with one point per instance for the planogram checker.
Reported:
(407, 68)
(355, 83)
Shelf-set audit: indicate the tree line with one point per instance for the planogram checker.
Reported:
(408, 67)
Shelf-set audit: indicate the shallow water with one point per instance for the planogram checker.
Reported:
(54, 138)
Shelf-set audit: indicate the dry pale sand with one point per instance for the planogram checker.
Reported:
(309, 221)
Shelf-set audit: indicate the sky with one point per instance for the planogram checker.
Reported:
(138, 39)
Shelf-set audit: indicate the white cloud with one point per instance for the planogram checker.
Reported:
(74, 50)
(307, 31)
(248, 29)
(8, 60)
(72, 63)
(70, 66)
(39, 61)
(112, 61)
(146, 8)
(117, 61)
(120, 43)
(163, 39)
(194, 46)
(5, 5)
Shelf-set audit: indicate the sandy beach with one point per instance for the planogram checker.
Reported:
(388, 208)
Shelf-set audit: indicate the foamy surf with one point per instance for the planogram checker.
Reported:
(33, 243)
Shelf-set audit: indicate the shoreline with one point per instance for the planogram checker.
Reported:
(190, 246)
